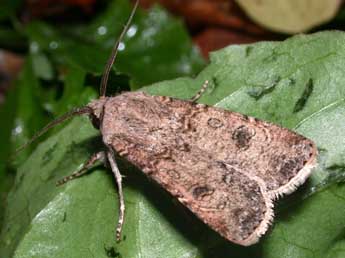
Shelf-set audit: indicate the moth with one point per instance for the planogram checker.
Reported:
(227, 168)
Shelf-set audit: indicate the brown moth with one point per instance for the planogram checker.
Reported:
(227, 168)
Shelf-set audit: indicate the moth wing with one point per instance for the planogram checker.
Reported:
(282, 158)
(230, 202)
(224, 166)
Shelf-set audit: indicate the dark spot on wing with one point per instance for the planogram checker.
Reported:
(173, 173)
(214, 122)
(290, 167)
(200, 192)
(242, 136)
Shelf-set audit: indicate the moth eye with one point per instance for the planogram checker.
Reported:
(214, 122)
(242, 136)
(200, 192)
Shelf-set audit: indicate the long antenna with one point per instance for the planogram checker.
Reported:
(75, 112)
(114, 52)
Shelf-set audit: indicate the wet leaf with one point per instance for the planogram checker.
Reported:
(42, 66)
(78, 219)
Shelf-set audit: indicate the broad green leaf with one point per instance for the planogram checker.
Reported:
(315, 226)
(297, 83)
(75, 205)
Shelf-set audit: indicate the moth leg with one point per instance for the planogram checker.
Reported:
(118, 178)
(86, 166)
(200, 92)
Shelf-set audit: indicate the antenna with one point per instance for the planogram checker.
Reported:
(114, 52)
(75, 112)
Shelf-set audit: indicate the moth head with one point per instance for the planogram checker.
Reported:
(96, 111)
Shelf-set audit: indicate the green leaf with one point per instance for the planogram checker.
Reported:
(42, 66)
(297, 83)
(22, 116)
(27, 115)
(75, 94)
(64, 208)
(7, 111)
(147, 53)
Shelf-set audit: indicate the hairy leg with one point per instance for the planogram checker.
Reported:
(86, 166)
(200, 92)
(118, 179)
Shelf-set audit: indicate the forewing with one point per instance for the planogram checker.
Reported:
(224, 166)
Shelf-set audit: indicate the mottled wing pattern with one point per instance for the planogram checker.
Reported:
(280, 157)
(227, 168)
